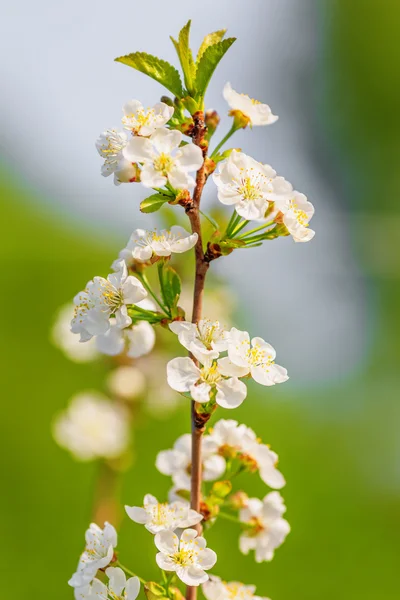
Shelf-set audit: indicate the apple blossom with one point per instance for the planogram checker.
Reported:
(177, 461)
(265, 527)
(248, 185)
(163, 160)
(255, 358)
(156, 516)
(143, 244)
(103, 298)
(216, 589)
(296, 213)
(98, 554)
(187, 556)
(92, 427)
(144, 122)
(205, 382)
(205, 338)
(256, 112)
(63, 338)
(239, 441)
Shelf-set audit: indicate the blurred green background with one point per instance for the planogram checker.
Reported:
(338, 444)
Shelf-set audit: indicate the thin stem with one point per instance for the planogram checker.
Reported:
(232, 224)
(228, 517)
(147, 285)
(263, 226)
(239, 227)
(129, 572)
(232, 130)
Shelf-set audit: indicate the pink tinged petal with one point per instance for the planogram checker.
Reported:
(190, 158)
(200, 393)
(227, 368)
(138, 149)
(142, 253)
(182, 373)
(207, 558)
(133, 290)
(137, 514)
(230, 393)
(167, 542)
(192, 576)
(165, 562)
(166, 140)
(151, 178)
(117, 580)
(132, 588)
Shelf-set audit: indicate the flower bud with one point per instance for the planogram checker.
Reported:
(167, 100)
(212, 120)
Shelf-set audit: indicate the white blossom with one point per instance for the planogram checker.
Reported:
(265, 527)
(110, 145)
(144, 122)
(240, 441)
(255, 358)
(177, 461)
(216, 589)
(92, 427)
(187, 556)
(206, 381)
(144, 244)
(63, 338)
(127, 382)
(297, 212)
(137, 340)
(248, 185)
(256, 112)
(118, 588)
(156, 516)
(163, 160)
(98, 553)
(103, 298)
(204, 339)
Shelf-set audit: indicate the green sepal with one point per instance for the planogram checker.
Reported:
(140, 314)
(154, 203)
(156, 68)
(155, 591)
(185, 56)
(208, 63)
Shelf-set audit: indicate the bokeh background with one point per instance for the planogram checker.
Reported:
(330, 70)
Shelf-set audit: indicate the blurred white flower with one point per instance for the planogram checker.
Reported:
(216, 589)
(248, 185)
(98, 553)
(163, 160)
(204, 339)
(127, 382)
(92, 427)
(118, 588)
(156, 516)
(63, 338)
(265, 527)
(239, 441)
(160, 399)
(103, 298)
(177, 461)
(143, 244)
(256, 112)
(144, 122)
(205, 382)
(187, 556)
(138, 340)
(255, 358)
(297, 212)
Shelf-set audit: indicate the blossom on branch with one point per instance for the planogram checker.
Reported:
(163, 160)
(92, 427)
(156, 516)
(137, 340)
(253, 111)
(296, 213)
(187, 556)
(204, 339)
(103, 298)
(118, 588)
(143, 244)
(110, 145)
(216, 589)
(265, 529)
(177, 461)
(144, 122)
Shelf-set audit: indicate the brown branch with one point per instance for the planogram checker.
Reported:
(198, 423)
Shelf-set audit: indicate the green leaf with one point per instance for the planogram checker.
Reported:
(208, 63)
(184, 52)
(210, 40)
(154, 203)
(170, 284)
(160, 70)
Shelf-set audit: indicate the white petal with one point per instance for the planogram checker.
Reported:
(179, 179)
(133, 290)
(184, 244)
(231, 393)
(200, 393)
(112, 342)
(138, 149)
(190, 158)
(166, 140)
(117, 580)
(142, 253)
(229, 369)
(167, 542)
(137, 514)
(132, 588)
(207, 558)
(151, 178)
(182, 373)
(141, 339)
(192, 576)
